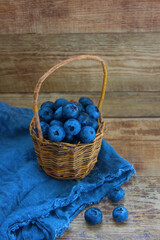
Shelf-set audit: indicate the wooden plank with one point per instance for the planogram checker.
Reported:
(137, 151)
(138, 141)
(133, 61)
(142, 201)
(138, 129)
(144, 155)
(78, 16)
(116, 104)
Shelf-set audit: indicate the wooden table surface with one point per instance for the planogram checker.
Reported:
(138, 141)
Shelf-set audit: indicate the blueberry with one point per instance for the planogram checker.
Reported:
(46, 114)
(68, 138)
(56, 133)
(72, 126)
(58, 114)
(93, 123)
(80, 106)
(60, 103)
(116, 194)
(85, 101)
(48, 104)
(120, 214)
(87, 134)
(93, 216)
(56, 122)
(93, 111)
(83, 118)
(44, 127)
(70, 110)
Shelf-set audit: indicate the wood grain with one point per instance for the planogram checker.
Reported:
(116, 104)
(133, 129)
(79, 16)
(144, 155)
(142, 201)
(138, 141)
(133, 61)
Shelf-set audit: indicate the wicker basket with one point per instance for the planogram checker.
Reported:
(64, 160)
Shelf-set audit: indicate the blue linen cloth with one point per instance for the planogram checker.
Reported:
(32, 204)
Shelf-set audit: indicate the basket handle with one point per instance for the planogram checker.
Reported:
(53, 69)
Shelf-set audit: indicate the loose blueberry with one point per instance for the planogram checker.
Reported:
(85, 101)
(56, 133)
(120, 214)
(60, 103)
(116, 194)
(44, 127)
(93, 111)
(93, 216)
(46, 114)
(87, 134)
(58, 114)
(56, 122)
(80, 106)
(93, 123)
(70, 110)
(72, 126)
(83, 118)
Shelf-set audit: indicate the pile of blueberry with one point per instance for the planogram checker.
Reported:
(71, 122)
(93, 215)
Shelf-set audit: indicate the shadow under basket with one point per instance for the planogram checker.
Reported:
(63, 160)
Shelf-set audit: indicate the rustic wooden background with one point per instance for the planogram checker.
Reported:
(35, 35)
